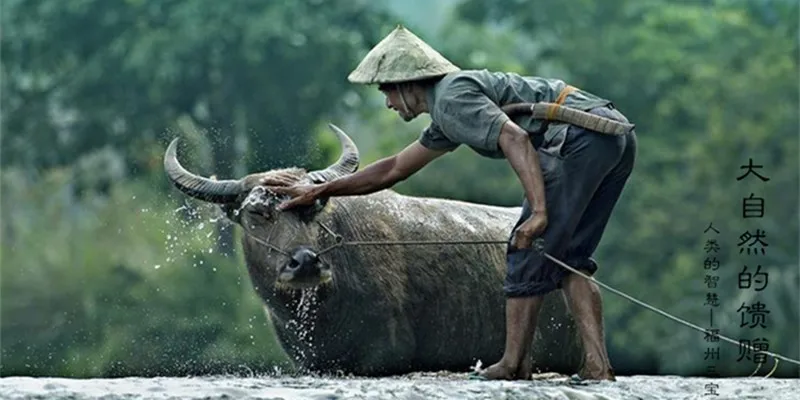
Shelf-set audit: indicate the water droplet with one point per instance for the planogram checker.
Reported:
(158, 266)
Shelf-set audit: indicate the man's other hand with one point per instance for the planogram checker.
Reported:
(529, 230)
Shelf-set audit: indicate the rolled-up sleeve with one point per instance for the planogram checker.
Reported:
(468, 116)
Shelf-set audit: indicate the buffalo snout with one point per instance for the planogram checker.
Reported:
(304, 268)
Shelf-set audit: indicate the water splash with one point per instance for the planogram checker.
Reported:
(477, 366)
(440, 385)
(303, 323)
(187, 225)
(191, 223)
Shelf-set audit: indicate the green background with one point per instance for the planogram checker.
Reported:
(108, 271)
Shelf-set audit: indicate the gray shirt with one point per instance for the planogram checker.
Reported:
(465, 109)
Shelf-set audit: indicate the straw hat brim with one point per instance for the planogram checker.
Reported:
(401, 57)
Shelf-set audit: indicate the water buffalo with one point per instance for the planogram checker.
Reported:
(380, 309)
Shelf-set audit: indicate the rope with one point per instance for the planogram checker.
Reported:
(538, 245)
(654, 309)
(409, 242)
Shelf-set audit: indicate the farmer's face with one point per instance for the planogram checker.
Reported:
(394, 101)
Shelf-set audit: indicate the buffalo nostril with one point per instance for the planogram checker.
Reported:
(305, 266)
(303, 261)
(311, 254)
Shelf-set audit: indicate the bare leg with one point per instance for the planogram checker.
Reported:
(521, 316)
(586, 306)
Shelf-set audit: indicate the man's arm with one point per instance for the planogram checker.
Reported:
(381, 174)
(523, 158)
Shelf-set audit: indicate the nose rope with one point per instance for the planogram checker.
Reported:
(264, 242)
(538, 246)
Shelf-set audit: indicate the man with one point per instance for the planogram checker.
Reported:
(572, 178)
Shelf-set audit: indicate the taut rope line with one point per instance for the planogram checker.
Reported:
(538, 245)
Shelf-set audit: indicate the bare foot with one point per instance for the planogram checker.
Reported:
(499, 371)
(525, 371)
(597, 373)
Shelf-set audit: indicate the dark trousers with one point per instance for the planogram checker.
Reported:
(584, 174)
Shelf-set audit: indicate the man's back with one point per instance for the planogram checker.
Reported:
(508, 87)
(457, 101)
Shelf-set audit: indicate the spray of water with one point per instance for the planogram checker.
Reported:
(303, 322)
(187, 224)
(259, 196)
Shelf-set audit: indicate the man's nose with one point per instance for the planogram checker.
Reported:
(388, 103)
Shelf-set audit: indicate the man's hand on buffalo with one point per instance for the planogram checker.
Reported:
(302, 195)
(284, 178)
(529, 230)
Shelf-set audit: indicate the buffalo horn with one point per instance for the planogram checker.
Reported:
(347, 163)
(199, 187)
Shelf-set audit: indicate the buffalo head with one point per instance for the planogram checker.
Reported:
(284, 244)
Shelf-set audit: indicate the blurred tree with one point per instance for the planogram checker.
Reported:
(103, 277)
(121, 287)
(709, 85)
(254, 76)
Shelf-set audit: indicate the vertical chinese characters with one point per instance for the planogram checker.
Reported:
(752, 245)
(710, 280)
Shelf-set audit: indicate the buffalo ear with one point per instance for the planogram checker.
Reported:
(307, 213)
(321, 203)
(232, 212)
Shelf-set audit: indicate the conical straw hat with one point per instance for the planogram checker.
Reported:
(400, 56)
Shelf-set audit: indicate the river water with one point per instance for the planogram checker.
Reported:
(414, 386)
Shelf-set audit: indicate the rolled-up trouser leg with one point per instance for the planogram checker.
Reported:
(572, 174)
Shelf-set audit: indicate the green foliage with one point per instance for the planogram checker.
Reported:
(108, 271)
(249, 74)
(119, 284)
(257, 72)
(709, 85)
